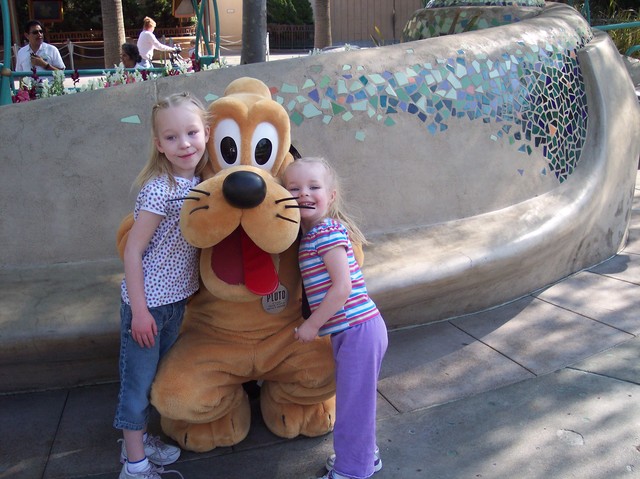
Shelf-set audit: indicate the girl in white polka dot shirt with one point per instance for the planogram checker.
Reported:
(161, 272)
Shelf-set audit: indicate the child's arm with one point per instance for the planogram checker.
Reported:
(337, 265)
(143, 326)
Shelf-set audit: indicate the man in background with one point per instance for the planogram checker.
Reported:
(37, 53)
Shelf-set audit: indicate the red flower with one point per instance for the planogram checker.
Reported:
(22, 95)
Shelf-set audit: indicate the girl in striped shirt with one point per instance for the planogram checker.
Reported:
(341, 307)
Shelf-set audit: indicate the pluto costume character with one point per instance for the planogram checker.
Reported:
(240, 325)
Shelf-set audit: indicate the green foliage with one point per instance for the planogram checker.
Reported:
(160, 10)
(82, 15)
(627, 37)
(289, 12)
(604, 5)
(376, 37)
(605, 10)
(305, 12)
(609, 12)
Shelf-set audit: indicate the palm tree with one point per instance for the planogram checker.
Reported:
(322, 24)
(254, 31)
(112, 31)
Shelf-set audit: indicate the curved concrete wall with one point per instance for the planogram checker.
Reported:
(491, 258)
(485, 165)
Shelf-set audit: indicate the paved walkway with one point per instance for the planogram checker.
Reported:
(544, 387)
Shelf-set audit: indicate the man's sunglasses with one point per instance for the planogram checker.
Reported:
(37, 32)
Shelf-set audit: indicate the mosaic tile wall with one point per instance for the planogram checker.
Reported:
(430, 23)
(533, 95)
(484, 3)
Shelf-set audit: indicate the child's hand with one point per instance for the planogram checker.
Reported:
(306, 332)
(144, 329)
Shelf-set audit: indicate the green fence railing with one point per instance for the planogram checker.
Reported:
(586, 13)
(620, 26)
(5, 72)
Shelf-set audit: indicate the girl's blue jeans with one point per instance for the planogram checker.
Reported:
(138, 365)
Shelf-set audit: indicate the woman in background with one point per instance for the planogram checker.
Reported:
(147, 42)
(131, 57)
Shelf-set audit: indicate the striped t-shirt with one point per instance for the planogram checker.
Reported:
(315, 277)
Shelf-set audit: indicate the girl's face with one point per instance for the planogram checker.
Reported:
(309, 183)
(182, 137)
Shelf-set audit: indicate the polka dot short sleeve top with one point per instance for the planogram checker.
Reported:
(170, 264)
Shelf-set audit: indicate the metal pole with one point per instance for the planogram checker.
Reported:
(5, 72)
(195, 9)
(70, 48)
(13, 18)
(215, 12)
(618, 26)
(200, 26)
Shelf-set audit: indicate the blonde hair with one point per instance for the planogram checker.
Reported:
(337, 208)
(148, 22)
(158, 164)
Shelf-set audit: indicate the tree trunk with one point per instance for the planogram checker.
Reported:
(322, 24)
(254, 31)
(112, 31)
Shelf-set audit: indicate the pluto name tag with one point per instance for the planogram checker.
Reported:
(275, 302)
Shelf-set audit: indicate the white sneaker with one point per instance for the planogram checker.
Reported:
(377, 461)
(156, 451)
(152, 472)
(333, 475)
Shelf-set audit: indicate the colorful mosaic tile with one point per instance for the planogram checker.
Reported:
(485, 3)
(134, 119)
(534, 95)
(435, 22)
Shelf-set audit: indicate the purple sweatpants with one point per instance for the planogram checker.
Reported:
(358, 354)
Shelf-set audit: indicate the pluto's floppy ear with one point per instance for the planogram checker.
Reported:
(123, 234)
(289, 158)
(294, 152)
(207, 172)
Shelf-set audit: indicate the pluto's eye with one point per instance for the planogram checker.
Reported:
(229, 150)
(227, 141)
(264, 145)
(263, 151)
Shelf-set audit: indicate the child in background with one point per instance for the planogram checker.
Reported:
(192, 49)
(161, 272)
(341, 307)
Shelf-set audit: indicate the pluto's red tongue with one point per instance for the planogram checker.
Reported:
(237, 259)
(260, 276)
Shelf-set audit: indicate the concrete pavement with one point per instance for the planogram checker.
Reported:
(544, 387)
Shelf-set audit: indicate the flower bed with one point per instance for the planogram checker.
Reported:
(35, 87)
